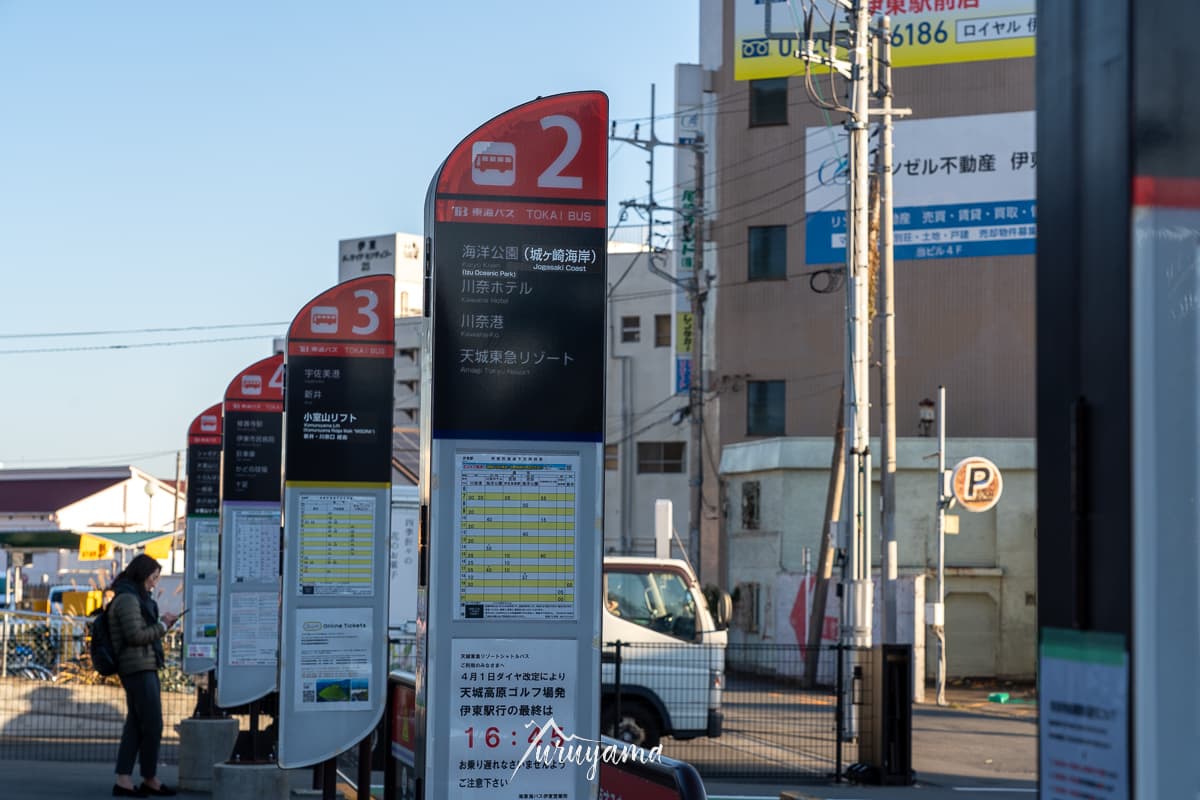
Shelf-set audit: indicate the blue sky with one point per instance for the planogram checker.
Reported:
(193, 165)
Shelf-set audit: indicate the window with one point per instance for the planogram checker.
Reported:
(768, 252)
(658, 600)
(662, 330)
(660, 457)
(764, 408)
(768, 102)
(751, 508)
(610, 457)
(746, 608)
(631, 329)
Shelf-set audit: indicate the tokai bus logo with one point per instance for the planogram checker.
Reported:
(252, 385)
(208, 423)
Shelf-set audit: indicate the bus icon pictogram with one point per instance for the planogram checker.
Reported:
(494, 163)
(323, 319)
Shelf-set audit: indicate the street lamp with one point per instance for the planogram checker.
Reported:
(149, 489)
(927, 413)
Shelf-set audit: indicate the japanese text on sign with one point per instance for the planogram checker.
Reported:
(502, 698)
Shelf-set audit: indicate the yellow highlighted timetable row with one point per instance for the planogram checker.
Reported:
(517, 511)
(517, 597)
(526, 583)
(490, 565)
(541, 497)
(516, 524)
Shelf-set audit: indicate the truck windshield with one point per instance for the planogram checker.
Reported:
(659, 601)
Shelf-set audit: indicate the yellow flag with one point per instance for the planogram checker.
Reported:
(93, 549)
(160, 548)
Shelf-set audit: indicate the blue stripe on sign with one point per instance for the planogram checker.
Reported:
(961, 230)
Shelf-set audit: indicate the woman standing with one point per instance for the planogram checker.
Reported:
(137, 632)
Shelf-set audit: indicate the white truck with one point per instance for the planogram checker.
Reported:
(672, 650)
(664, 648)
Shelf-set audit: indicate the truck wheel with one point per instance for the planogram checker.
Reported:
(639, 725)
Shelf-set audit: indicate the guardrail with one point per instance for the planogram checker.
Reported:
(53, 705)
(638, 777)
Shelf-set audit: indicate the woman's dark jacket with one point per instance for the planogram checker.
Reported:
(136, 630)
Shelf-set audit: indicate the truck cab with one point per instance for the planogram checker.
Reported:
(664, 648)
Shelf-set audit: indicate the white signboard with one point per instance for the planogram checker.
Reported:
(516, 527)
(253, 639)
(964, 186)
(255, 544)
(1083, 697)
(201, 619)
(506, 691)
(333, 649)
(402, 597)
(207, 532)
(337, 550)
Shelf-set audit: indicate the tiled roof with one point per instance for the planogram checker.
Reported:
(406, 455)
(47, 495)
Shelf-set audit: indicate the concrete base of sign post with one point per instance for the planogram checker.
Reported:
(202, 744)
(249, 782)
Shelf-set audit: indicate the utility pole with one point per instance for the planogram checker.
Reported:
(856, 517)
(887, 378)
(698, 291)
(857, 509)
(696, 288)
(826, 554)
(860, 601)
(943, 500)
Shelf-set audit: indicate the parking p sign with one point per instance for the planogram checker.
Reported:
(977, 483)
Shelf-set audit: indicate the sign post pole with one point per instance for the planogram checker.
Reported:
(336, 501)
(202, 547)
(939, 614)
(511, 459)
(248, 631)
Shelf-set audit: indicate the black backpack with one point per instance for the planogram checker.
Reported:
(104, 653)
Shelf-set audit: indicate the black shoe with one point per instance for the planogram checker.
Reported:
(162, 791)
(121, 791)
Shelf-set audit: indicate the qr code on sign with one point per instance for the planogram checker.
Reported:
(309, 696)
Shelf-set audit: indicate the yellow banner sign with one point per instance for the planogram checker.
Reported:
(93, 549)
(160, 548)
(767, 35)
(683, 332)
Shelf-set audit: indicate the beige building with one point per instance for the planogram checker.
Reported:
(775, 491)
(777, 315)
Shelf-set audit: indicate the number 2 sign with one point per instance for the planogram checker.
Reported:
(555, 147)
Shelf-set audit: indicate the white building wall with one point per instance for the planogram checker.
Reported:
(991, 611)
(640, 397)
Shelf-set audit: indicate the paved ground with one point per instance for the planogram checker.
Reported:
(971, 750)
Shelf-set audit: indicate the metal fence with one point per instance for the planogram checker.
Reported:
(777, 724)
(53, 705)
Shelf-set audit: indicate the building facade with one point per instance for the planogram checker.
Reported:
(965, 217)
(646, 434)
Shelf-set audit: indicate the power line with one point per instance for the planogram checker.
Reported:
(134, 346)
(56, 334)
(87, 460)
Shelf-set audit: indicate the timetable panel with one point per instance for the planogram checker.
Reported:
(516, 526)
